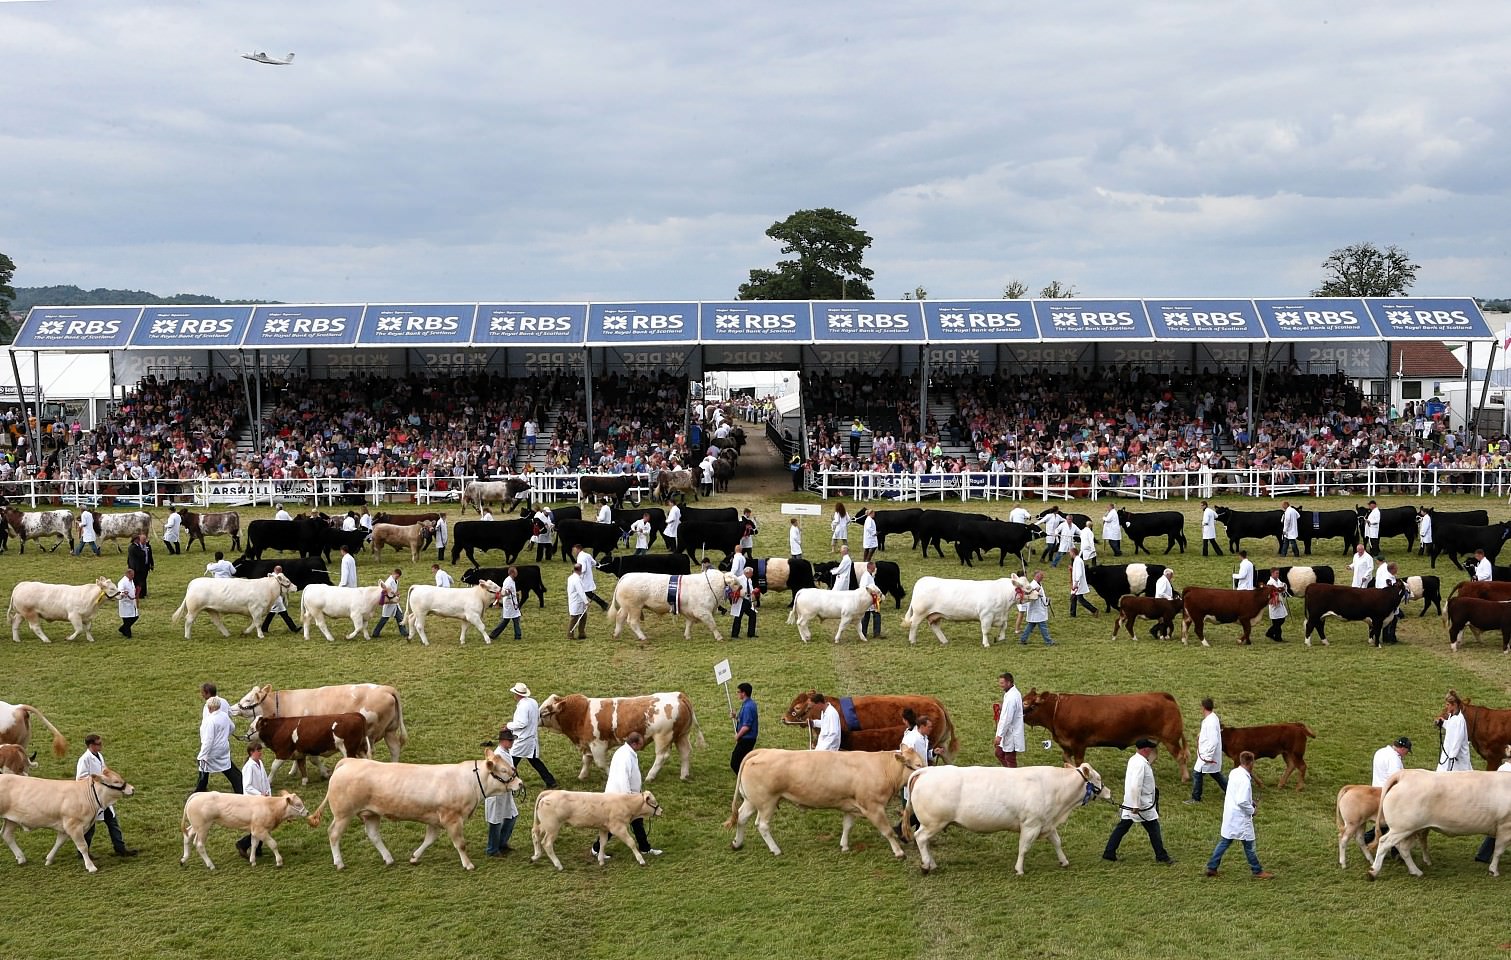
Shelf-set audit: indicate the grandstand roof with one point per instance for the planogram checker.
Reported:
(755, 322)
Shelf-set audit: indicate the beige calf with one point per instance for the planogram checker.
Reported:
(610, 813)
(248, 813)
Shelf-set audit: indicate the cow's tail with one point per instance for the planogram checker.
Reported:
(950, 744)
(702, 741)
(1309, 734)
(612, 610)
(315, 818)
(907, 818)
(398, 706)
(734, 802)
(1395, 778)
(59, 742)
(183, 608)
(1443, 610)
(907, 617)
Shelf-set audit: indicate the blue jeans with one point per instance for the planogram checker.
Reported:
(1058, 556)
(1222, 781)
(499, 834)
(82, 544)
(398, 617)
(1222, 848)
(1284, 543)
(1043, 626)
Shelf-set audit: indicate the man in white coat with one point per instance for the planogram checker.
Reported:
(1139, 803)
(577, 605)
(1018, 514)
(1069, 536)
(673, 526)
(842, 569)
(87, 535)
(1388, 759)
(1052, 523)
(1424, 530)
(254, 783)
(869, 540)
(624, 777)
(92, 761)
(1165, 589)
(828, 725)
(1484, 570)
(1079, 588)
(1290, 528)
(215, 729)
(1238, 819)
(1372, 528)
(282, 514)
(1455, 752)
(1008, 742)
(870, 621)
(125, 604)
(1209, 529)
(501, 811)
(1088, 544)
(794, 540)
(1112, 530)
(584, 559)
(172, 525)
(440, 537)
(1244, 578)
(348, 568)
(1208, 751)
(1362, 565)
(1487, 846)
(526, 727)
(392, 609)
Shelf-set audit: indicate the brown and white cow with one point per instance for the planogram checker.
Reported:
(197, 526)
(379, 705)
(15, 727)
(595, 724)
(295, 738)
(480, 493)
(1458, 803)
(1079, 721)
(853, 782)
(244, 813)
(65, 806)
(15, 761)
(607, 813)
(1284, 740)
(41, 523)
(439, 795)
(879, 720)
(1479, 617)
(121, 526)
(669, 482)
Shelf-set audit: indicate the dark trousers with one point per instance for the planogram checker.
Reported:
(1117, 547)
(267, 621)
(577, 626)
(1008, 758)
(540, 768)
(233, 775)
(749, 615)
(869, 618)
(1291, 545)
(1213, 543)
(398, 617)
(117, 842)
(141, 584)
(737, 756)
(172, 547)
(126, 623)
(1486, 851)
(637, 827)
(499, 834)
(1219, 776)
(602, 603)
(245, 845)
(1079, 599)
(1276, 626)
(502, 625)
(1151, 827)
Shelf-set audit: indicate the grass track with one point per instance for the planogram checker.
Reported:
(702, 899)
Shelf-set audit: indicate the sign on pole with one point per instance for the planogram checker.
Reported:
(802, 509)
(722, 676)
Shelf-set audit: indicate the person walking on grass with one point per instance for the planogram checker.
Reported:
(1238, 819)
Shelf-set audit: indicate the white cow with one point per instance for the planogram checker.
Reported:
(853, 782)
(319, 601)
(121, 526)
(34, 601)
(608, 813)
(65, 806)
(244, 813)
(990, 602)
(848, 606)
(215, 596)
(1030, 800)
(44, 523)
(1456, 803)
(378, 703)
(454, 603)
(15, 726)
(698, 595)
(439, 795)
(411, 535)
(1358, 804)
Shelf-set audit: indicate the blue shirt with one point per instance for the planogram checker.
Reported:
(748, 719)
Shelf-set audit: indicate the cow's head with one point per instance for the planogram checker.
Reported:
(107, 587)
(1038, 707)
(1125, 519)
(248, 705)
(495, 592)
(109, 780)
(284, 583)
(549, 709)
(499, 775)
(801, 710)
(292, 806)
(1094, 788)
(648, 805)
(910, 759)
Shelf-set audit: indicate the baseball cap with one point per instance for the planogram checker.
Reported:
(1404, 742)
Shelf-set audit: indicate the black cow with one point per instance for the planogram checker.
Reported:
(597, 538)
(301, 573)
(980, 536)
(624, 518)
(527, 581)
(724, 470)
(1428, 589)
(667, 563)
(936, 526)
(1377, 607)
(568, 512)
(1138, 527)
(1112, 581)
(893, 521)
(1327, 524)
(888, 578)
(1456, 539)
(705, 514)
(304, 536)
(1473, 518)
(332, 539)
(1254, 523)
(698, 536)
(616, 487)
(1394, 522)
(510, 536)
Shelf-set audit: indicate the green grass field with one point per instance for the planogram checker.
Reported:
(702, 899)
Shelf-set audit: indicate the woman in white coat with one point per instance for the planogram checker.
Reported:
(839, 528)
(1455, 752)
(1238, 819)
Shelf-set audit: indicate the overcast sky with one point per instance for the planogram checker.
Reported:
(611, 151)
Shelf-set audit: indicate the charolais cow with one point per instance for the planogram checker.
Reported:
(15, 727)
(33, 602)
(453, 603)
(846, 606)
(244, 813)
(888, 579)
(694, 597)
(1079, 721)
(321, 601)
(987, 602)
(1031, 801)
(44, 523)
(876, 722)
(379, 705)
(1457, 803)
(610, 814)
(67, 807)
(215, 596)
(480, 493)
(596, 724)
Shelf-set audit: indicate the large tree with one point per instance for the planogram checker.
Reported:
(828, 246)
(1364, 270)
(7, 294)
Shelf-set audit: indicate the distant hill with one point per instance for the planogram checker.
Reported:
(72, 296)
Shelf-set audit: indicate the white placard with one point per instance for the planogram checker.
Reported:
(803, 509)
(722, 673)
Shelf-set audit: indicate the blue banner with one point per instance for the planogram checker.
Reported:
(1204, 320)
(416, 325)
(756, 321)
(1092, 320)
(1428, 318)
(304, 326)
(979, 321)
(618, 324)
(77, 327)
(212, 327)
(868, 321)
(530, 324)
(1325, 318)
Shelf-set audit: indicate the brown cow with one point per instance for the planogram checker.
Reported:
(1483, 590)
(1479, 616)
(1242, 607)
(1489, 732)
(14, 760)
(405, 519)
(880, 723)
(1078, 721)
(594, 724)
(1284, 740)
(295, 738)
(1131, 607)
(15, 726)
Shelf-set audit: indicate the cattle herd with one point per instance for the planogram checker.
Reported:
(860, 780)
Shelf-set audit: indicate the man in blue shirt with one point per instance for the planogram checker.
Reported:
(746, 726)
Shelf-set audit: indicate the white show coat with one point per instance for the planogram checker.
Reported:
(839, 527)
(1238, 806)
(497, 809)
(508, 601)
(624, 771)
(90, 763)
(1010, 725)
(842, 572)
(1138, 790)
(1078, 585)
(525, 725)
(215, 742)
(585, 558)
(1209, 524)
(443, 579)
(1165, 589)
(795, 540)
(868, 538)
(1018, 515)
(125, 605)
(171, 526)
(1455, 754)
(1244, 578)
(1387, 761)
(1112, 525)
(1363, 567)
(348, 571)
(916, 739)
(1424, 528)
(828, 729)
(1372, 524)
(254, 779)
(1209, 745)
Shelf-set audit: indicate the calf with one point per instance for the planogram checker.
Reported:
(1479, 616)
(1284, 740)
(14, 760)
(1358, 804)
(847, 606)
(244, 813)
(295, 738)
(608, 813)
(454, 603)
(68, 807)
(1130, 608)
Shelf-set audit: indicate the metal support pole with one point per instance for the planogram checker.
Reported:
(587, 392)
(1484, 387)
(1249, 427)
(36, 383)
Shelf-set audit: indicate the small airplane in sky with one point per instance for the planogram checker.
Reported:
(261, 57)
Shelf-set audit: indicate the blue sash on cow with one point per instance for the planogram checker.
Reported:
(847, 710)
(674, 593)
(760, 574)
(1316, 520)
